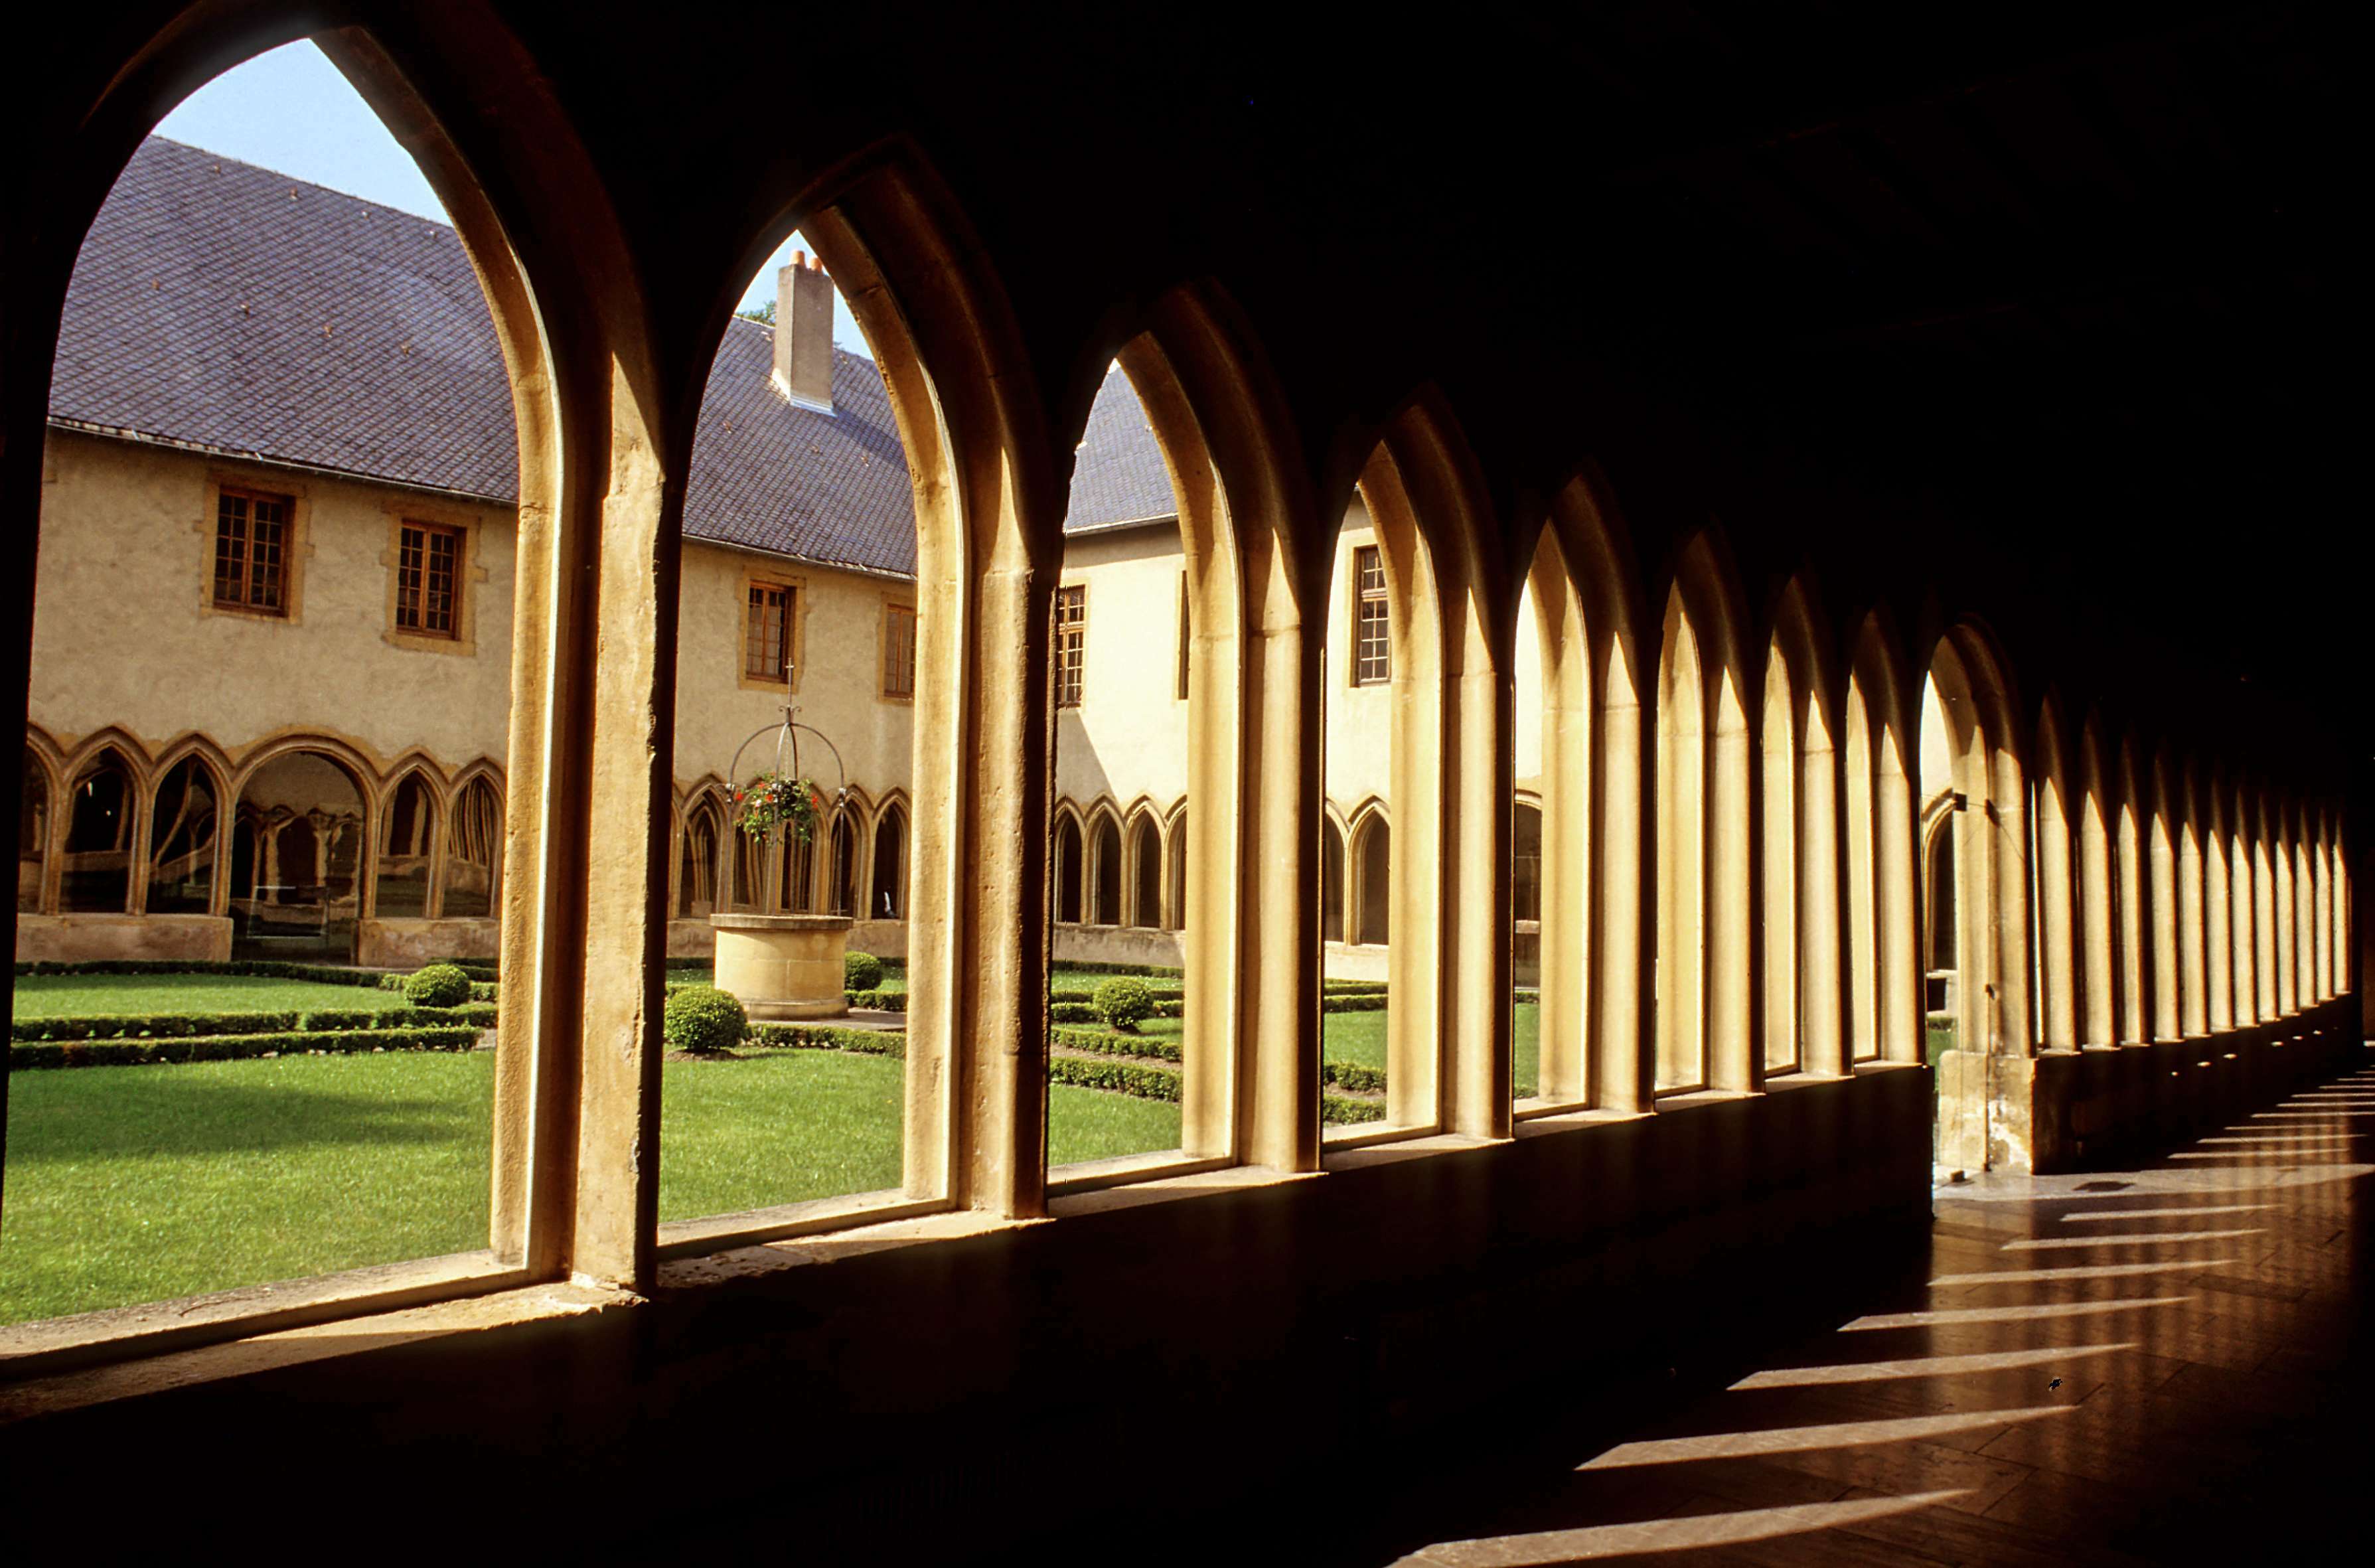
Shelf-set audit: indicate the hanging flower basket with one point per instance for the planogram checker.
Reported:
(778, 800)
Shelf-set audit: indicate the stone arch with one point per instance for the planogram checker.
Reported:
(2258, 814)
(189, 831)
(101, 827)
(1983, 1105)
(311, 851)
(1882, 858)
(844, 848)
(887, 878)
(1705, 924)
(1453, 620)
(2132, 896)
(1143, 858)
(473, 847)
(988, 510)
(1593, 966)
(1175, 874)
(1103, 881)
(1334, 873)
(2057, 810)
(36, 809)
(2194, 878)
(409, 844)
(1369, 873)
(1246, 516)
(2212, 809)
(1799, 818)
(1068, 865)
(700, 852)
(2164, 926)
(2098, 887)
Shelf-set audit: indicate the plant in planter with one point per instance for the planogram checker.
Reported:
(778, 800)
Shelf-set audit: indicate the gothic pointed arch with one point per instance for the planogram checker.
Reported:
(1450, 624)
(1591, 889)
(1800, 810)
(1882, 858)
(1705, 926)
(2057, 806)
(1982, 1112)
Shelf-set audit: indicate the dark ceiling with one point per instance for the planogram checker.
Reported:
(1870, 283)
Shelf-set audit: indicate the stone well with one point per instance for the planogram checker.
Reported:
(783, 966)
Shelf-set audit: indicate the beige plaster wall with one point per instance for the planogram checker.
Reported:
(1129, 737)
(837, 642)
(124, 632)
(1359, 719)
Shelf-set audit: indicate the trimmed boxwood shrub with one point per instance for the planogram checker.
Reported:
(1124, 1004)
(1337, 1110)
(701, 1018)
(24, 1056)
(437, 985)
(861, 972)
(882, 1000)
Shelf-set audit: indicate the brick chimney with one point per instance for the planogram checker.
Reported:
(804, 333)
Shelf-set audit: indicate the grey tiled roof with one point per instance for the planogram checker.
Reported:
(229, 308)
(1117, 475)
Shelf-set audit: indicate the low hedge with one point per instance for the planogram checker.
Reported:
(820, 1037)
(1159, 993)
(24, 1056)
(879, 1000)
(1353, 1002)
(1169, 971)
(1339, 1112)
(1358, 1079)
(1106, 1043)
(322, 973)
(1118, 1077)
(480, 990)
(196, 1026)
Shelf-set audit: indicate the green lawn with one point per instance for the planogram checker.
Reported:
(776, 1127)
(127, 1184)
(136, 1184)
(78, 995)
(1088, 1123)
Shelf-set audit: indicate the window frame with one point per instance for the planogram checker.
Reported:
(225, 490)
(1070, 645)
(788, 647)
(895, 612)
(458, 569)
(1365, 670)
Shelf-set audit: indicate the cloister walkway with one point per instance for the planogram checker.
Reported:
(2158, 1365)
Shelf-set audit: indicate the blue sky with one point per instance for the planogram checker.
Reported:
(291, 111)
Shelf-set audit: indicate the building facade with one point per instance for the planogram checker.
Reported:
(273, 634)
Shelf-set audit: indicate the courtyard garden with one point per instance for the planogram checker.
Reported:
(298, 1120)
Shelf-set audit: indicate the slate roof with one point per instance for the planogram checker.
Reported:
(1117, 475)
(222, 306)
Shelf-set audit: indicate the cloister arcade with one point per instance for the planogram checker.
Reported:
(149, 835)
(1819, 829)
